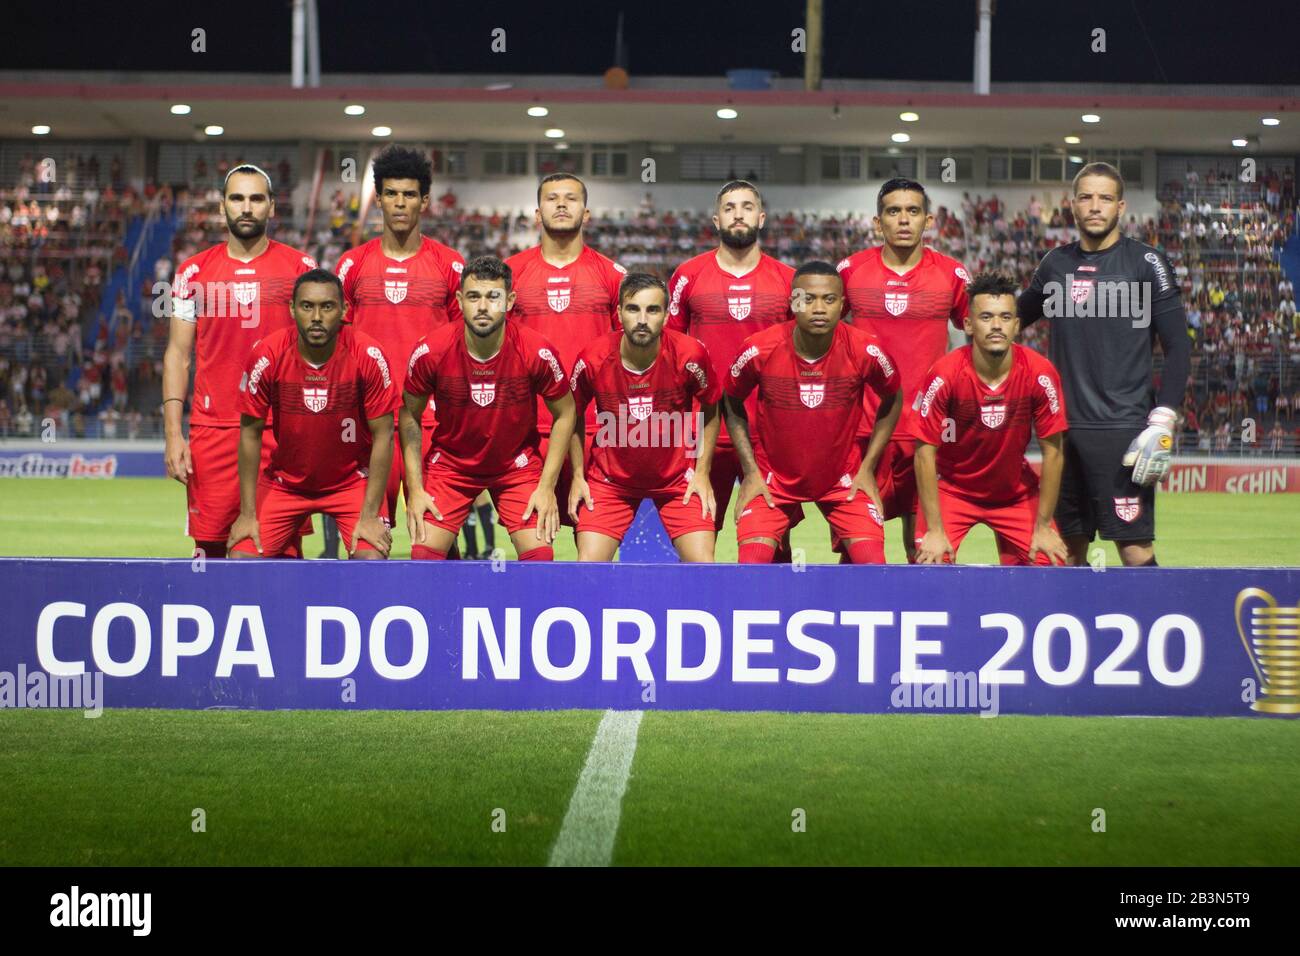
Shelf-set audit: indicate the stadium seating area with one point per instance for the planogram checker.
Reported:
(77, 347)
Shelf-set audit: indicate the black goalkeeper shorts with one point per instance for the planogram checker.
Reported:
(1097, 491)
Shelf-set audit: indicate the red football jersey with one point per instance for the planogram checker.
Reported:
(983, 459)
(487, 410)
(808, 412)
(235, 304)
(570, 306)
(722, 310)
(320, 414)
(909, 313)
(396, 301)
(644, 420)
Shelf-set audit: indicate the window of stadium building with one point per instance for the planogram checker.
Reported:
(722, 165)
(550, 159)
(449, 159)
(963, 165)
(841, 162)
(505, 160)
(891, 162)
(1011, 166)
(608, 159)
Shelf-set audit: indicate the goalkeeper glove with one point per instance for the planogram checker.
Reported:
(1149, 453)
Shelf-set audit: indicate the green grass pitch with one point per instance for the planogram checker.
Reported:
(705, 787)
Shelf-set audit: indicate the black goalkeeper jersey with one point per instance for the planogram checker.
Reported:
(1106, 310)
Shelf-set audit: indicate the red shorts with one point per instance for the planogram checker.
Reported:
(454, 495)
(895, 477)
(1012, 524)
(614, 508)
(398, 469)
(280, 513)
(848, 519)
(565, 482)
(723, 475)
(212, 493)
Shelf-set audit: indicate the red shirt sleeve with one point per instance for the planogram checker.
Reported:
(615, 275)
(1049, 401)
(881, 371)
(545, 370)
(703, 382)
(677, 319)
(455, 266)
(347, 273)
(421, 370)
(845, 268)
(381, 396)
(256, 388)
(742, 377)
(960, 301)
(580, 384)
(932, 409)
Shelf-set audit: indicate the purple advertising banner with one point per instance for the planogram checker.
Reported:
(505, 635)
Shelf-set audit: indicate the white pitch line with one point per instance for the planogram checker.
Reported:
(591, 823)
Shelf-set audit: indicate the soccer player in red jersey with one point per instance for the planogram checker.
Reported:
(401, 285)
(486, 375)
(223, 300)
(724, 296)
(907, 295)
(644, 382)
(322, 379)
(810, 377)
(564, 290)
(976, 414)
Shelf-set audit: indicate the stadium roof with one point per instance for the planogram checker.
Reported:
(655, 109)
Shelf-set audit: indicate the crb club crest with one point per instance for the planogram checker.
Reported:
(483, 393)
(1127, 509)
(812, 395)
(244, 292)
(895, 303)
(640, 408)
(558, 298)
(1080, 289)
(394, 290)
(316, 398)
(993, 415)
(740, 306)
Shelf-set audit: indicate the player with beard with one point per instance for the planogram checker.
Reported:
(564, 290)
(401, 285)
(724, 296)
(908, 295)
(223, 301)
(1109, 298)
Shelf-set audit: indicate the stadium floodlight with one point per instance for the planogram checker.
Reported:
(1271, 121)
(41, 130)
(1240, 143)
(909, 117)
(213, 130)
(538, 111)
(901, 138)
(180, 109)
(354, 109)
(1072, 141)
(555, 134)
(1090, 118)
(727, 113)
(382, 131)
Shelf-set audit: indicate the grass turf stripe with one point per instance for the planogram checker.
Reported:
(591, 823)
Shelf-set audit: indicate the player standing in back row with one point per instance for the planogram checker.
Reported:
(907, 295)
(1108, 299)
(565, 291)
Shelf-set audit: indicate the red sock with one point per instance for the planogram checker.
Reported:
(420, 553)
(544, 553)
(756, 552)
(210, 549)
(866, 551)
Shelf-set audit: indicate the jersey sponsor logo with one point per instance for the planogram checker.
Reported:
(394, 290)
(962, 274)
(619, 268)
(640, 408)
(1080, 289)
(344, 268)
(1053, 400)
(876, 516)
(812, 394)
(396, 270)
(876, 353)
(522, 460)
(842, 264)
(558, 298)
(309, 262)
(256, 375)
(700, 375)
(895, 303)
(316, 398)
(1162, 274)
(675, 305)
(1085, 268)
(742, 360)
(1128, 509)
(577, 370)
(928, 398)
(181, 289)
(547, 356)
(740, 306)
(846, 480)
(483, 393)
(245, 272)
(457, 266)
(421, 349)
(993, 415)
(378, 356)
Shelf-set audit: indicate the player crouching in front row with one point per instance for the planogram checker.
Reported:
(644, 381)
(811, 376)
(973, 420)
(485, 375)
(321, 379)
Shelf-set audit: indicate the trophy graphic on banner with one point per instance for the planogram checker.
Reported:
(1274, 651)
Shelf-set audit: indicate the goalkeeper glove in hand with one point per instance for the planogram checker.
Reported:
(1149, 453)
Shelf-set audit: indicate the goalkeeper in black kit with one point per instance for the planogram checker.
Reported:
(1108, 298)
